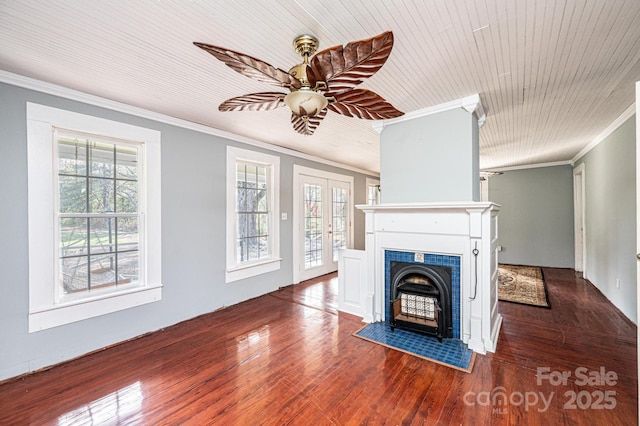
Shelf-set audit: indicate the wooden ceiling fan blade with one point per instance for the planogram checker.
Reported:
(263, 101)
(344, 68)
(365, 104)
(251, 67)
(307, 126)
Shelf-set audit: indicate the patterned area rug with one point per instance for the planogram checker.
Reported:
(522, 284)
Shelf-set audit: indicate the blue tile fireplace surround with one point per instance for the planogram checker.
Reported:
(451, 352)
(432, 260)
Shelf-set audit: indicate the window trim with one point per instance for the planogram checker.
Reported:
(45, 311)
(236, 271)
(369, 183)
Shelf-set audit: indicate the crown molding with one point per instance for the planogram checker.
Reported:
(471, 104)
(627, 114)
(75, 95)
(528, 166)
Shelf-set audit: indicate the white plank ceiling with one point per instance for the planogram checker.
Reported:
(552, 75)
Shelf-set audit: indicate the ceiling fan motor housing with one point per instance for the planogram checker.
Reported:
(306, 45)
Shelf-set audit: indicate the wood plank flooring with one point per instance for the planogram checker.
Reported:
(290, 358)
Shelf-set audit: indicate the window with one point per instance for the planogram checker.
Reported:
(373, 191)
(98, 214)
(252, 210)
(95, 240)
(253, 245)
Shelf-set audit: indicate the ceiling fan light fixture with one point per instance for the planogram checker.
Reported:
(306, 102)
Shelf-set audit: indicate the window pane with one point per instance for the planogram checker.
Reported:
(102, 232)
(339, 221)
(127, 233)
(242, 250)
(262, 205)
(253, 248)
(126, 196)
(256, 200)
(73, 236)
(241, 176)
(101, 159)
(126, 162)
(263, 225)
(103, 271)
(72, 156)
(72, 193)
(264, 247)
(243, 231)
(252, 225)
(241, 198)
(251, 178)
(101, 195)
(262, 177)
(128, 267)
(74, 274)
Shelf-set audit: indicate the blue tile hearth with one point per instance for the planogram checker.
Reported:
(451, 352)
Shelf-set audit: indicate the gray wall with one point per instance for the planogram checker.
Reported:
(193, 238)
(535, 225)
(610, 196)
(430, 159)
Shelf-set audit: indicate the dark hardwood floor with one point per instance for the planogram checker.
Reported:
(290, 358)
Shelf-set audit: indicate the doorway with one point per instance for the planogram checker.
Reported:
(323, 221)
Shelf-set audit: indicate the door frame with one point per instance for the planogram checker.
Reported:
(579, 223)
(299, 171)
(638, 221)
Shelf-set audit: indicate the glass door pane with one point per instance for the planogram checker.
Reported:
(313, 226)
(338, 220)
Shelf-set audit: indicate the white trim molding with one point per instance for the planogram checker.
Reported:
(528, 166)
(471, 104)
(627, 114)
(46, 309)
(75, 95)
(579, 225)
(299, 172)
(236, 270)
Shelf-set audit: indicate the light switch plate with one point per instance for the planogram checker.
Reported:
(284, 216)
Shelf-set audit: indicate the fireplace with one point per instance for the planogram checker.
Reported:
(421, 299)
(461, 236)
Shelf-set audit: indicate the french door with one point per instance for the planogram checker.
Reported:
(324, 224)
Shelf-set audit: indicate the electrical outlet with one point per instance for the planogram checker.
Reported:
(499, 248)
(617, 282)
(418, 257)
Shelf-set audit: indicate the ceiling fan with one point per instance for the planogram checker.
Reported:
(323, 82)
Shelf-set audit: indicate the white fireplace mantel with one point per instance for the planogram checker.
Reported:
(451, 228)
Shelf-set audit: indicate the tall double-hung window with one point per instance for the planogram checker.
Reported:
(99, 217)
(94, 216)
(252, 213)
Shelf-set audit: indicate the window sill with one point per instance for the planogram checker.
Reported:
(69, 312)
(252, 269)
